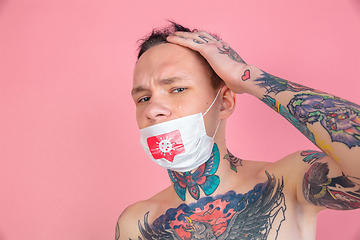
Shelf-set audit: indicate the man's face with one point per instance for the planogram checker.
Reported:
(170, 82)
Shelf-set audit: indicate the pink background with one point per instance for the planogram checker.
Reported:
(69, 145)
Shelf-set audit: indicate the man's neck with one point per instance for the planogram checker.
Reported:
(205, 180)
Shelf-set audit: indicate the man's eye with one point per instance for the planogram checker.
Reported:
(176, 90)
(143, 99)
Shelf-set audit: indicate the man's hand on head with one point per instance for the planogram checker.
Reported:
(227, 64)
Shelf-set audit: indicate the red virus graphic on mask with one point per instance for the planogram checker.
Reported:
(166, 145)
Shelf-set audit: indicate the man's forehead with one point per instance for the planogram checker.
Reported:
(164, 61)
(166, 53)
(167, 63)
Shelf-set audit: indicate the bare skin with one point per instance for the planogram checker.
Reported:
(247, 199)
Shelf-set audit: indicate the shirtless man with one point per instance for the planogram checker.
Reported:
(223, 197)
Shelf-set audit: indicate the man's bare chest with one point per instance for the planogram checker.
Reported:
(256, 214)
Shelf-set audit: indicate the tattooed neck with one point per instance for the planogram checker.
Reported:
(203, 178)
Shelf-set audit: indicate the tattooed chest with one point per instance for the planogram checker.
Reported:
(257, 214)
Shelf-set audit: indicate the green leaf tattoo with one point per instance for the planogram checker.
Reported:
(234, 161)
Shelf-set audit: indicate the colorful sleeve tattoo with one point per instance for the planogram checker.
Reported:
(339, 117)
(271, 102)
(276, 85)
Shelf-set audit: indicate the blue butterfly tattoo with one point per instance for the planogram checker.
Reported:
(203, 177)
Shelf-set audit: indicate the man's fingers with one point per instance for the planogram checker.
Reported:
(189, 38)
(208, 35)
(181, 40)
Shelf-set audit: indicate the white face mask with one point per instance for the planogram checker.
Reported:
(181, 144)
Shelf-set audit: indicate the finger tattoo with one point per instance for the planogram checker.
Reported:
(204, 38)
(197, 41)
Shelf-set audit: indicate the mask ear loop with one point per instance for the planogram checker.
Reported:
(213, 102)
(216, 129)
(210, 108)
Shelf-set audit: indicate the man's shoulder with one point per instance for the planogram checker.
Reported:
(284, 169)
(133, 210)
(287, 162)
(127, 223)
(129, 219)
(280, 167)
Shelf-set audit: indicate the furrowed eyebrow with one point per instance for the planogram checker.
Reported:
(165, 81)
(171, 80)
(137, 90)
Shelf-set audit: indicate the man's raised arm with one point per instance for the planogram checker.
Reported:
(330, 122)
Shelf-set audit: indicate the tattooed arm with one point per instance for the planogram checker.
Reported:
(330, 122)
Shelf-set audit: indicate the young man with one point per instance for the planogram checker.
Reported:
(184, 88)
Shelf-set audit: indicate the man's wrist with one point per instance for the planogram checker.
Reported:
(246, 79)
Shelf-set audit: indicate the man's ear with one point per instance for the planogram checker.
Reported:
(228, 102)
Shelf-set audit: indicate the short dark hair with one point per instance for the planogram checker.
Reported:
(158, 36)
